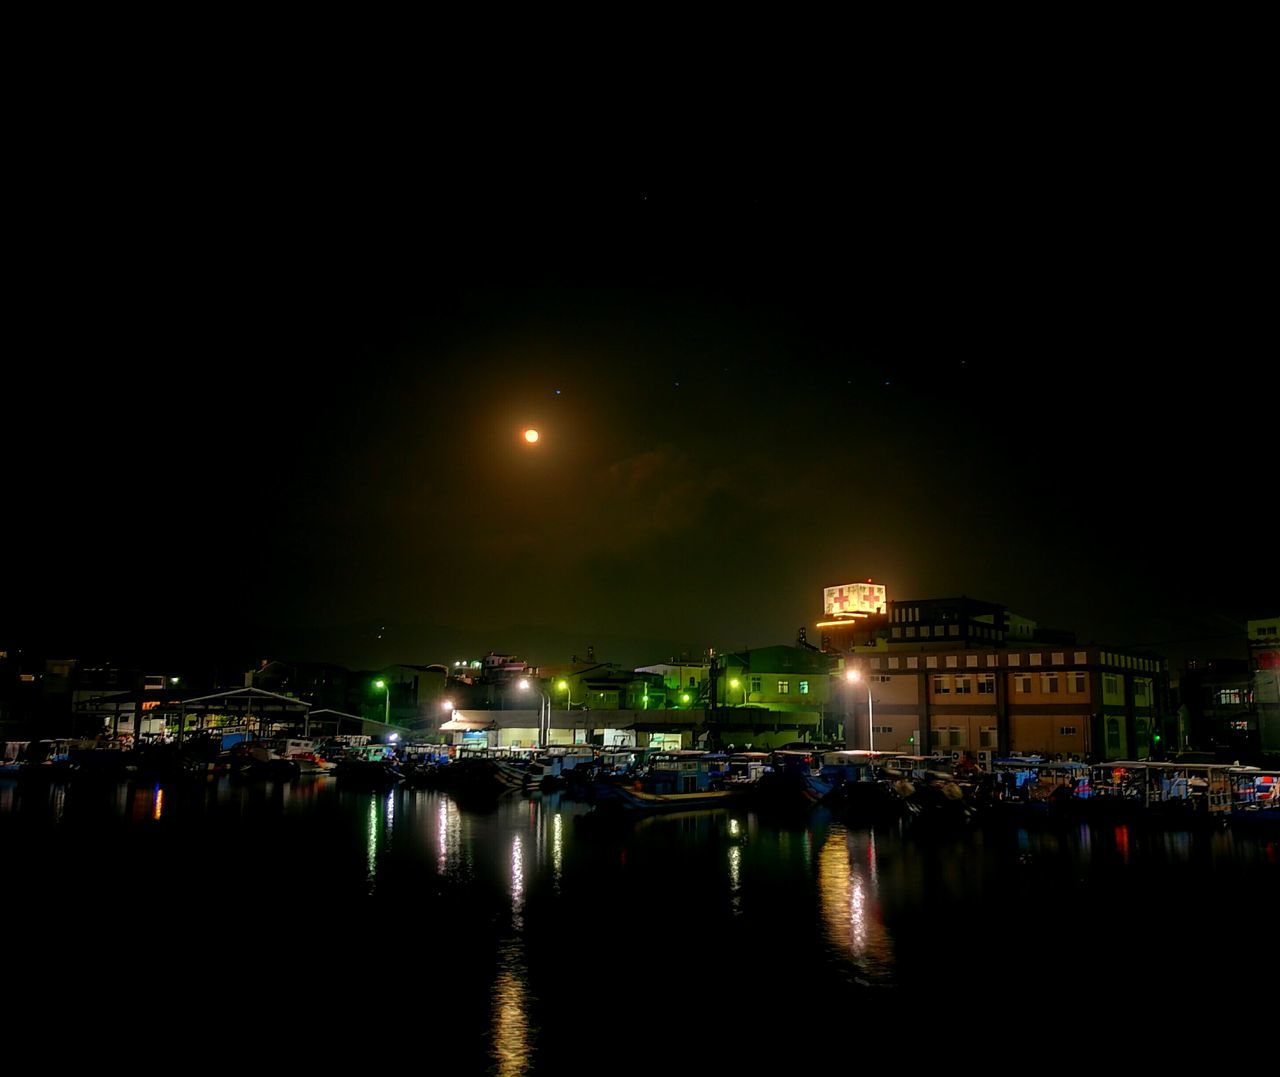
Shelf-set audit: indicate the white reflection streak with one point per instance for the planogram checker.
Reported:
(557, 850)
(371, 874)
(735, 879)
(517, 882)
(442, 829)
(857, 917)
(391, 813)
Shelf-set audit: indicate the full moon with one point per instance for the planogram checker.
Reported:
(531, 436)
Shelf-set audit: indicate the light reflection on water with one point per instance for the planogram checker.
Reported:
(512, 1032)
(557, 850)
(371, 849)
(849, 896)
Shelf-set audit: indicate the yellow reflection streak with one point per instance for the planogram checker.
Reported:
(847, 890)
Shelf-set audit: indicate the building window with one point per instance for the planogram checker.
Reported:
(941, 686)
(957, 737)
(987, 684)
(913, 663)
(1022, 683)
(935, 738)
(964, 686)
(1225, 695)
(1110, 684)
(1066, 731)
(784, 687)
(911, 632)
(1015, 659)
(804, 688)
(1049, 683)
(1081, 658)
(1113, 734)
(992, 661)
(971, 661)
(924, 631)
(931, 662)
(1140, 692)
(897, 632)
(1034, 659)
(1057, 658)
(987, 737)
(1076, 683)
(882, 729)
(953, 630)
(755, 684)
(893, 663)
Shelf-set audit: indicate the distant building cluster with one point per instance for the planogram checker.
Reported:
(953, 676)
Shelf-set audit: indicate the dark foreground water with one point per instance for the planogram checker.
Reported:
(301, 924)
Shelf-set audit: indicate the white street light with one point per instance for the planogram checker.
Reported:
(853, 676)
(544, 725)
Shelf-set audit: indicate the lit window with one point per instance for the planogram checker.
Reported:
(755, 684)
(1066, 731)
(971, 661)
(951, 661)
(1076, 683)
(953, 630)
(1015, 659)
(804, 688)
(1057, 658)
(941, 686)
(987, 684)
(964, 686)
(912, 663)
(784, 687)
(911, 632)
(1034, 659)
(1110, 684)
(1022, 683)
(924, 631)
(1049, 683)
(1081, 658)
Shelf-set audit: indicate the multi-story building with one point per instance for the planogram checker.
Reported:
(1264, 659)
(966, 677)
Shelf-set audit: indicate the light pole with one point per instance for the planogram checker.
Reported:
(544, 731)
(735, 684)
(852, 676)
(568, 698)
(384, 684)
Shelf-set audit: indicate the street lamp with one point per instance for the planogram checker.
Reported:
(735, 684)
(568, 699)
(544, 730)
(384, 684)
(851, 676)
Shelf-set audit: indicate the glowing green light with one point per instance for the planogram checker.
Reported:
(684, 698)
(563, 686)
(379, 684)
(733, 683)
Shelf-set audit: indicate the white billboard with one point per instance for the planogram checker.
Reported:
(852, 598)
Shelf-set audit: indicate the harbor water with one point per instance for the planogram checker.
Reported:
(297, 918)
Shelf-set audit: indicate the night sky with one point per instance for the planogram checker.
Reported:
(264, 409)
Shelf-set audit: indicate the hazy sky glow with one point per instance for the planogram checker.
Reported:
(287, 437)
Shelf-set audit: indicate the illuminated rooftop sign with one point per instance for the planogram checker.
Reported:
(854, 598)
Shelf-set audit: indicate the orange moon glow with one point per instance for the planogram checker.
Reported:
(531, 436)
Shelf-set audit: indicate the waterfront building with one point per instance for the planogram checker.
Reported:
(1264, 661)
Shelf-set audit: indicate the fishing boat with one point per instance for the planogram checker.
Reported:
(679, 780)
